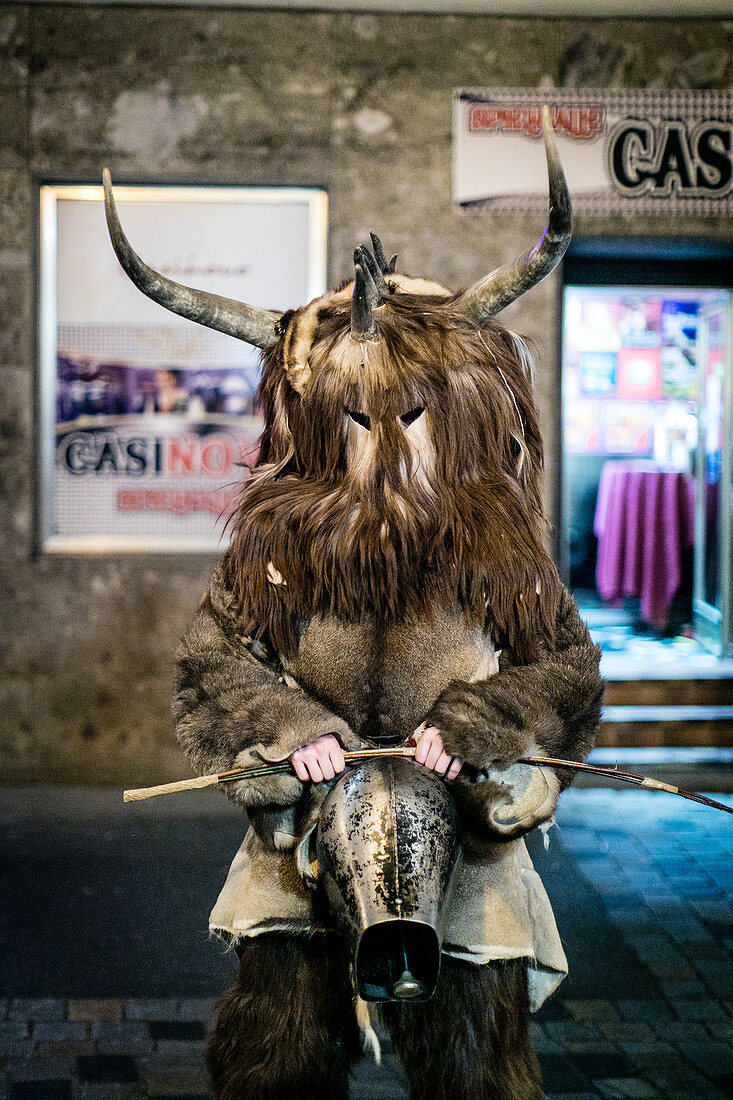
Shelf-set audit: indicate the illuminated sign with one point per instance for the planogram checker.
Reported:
(656, 151)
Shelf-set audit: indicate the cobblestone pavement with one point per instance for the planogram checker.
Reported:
(650, 1016)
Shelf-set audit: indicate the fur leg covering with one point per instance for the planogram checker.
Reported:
(288, 1029)
(471, 1039)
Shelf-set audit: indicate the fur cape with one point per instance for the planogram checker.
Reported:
(457, 520)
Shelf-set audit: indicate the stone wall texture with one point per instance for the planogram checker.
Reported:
(358, 104)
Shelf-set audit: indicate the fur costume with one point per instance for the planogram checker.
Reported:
(387, 568)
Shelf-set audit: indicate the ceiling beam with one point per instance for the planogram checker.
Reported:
(527, 9)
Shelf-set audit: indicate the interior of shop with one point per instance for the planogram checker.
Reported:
(645, 452)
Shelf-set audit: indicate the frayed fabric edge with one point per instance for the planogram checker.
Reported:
(226, 938)
(369, 1039)
(545, 830)
(218, 932)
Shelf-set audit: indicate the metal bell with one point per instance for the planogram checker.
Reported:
(388, 847)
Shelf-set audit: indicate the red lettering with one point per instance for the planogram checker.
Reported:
(217, 456)
(596, 121)
(181, 456)
(129, 500)
(579, 122)
(179, 502)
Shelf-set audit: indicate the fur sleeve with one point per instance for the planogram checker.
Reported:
(233, 708)
(550, 707)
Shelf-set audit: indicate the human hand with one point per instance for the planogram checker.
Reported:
(431, 754)
(320, 760)
(480, 721)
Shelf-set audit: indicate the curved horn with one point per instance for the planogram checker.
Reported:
(504, 285)
(364, 301)
(256, 326)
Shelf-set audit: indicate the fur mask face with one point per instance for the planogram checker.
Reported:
(396, 473)
(431, 401)
(400, 458)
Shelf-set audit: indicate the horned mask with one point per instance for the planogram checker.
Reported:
(400, 458)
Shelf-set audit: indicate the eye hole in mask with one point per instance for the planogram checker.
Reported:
(411, 416)
(360, 418)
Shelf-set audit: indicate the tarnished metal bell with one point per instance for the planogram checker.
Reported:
(388, 847)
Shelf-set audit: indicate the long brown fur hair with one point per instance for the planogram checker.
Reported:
(382, 517)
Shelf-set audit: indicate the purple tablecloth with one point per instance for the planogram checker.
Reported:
(645, 520)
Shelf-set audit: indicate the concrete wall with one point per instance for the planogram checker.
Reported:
(358, 104)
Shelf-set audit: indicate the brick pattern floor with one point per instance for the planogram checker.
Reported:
(664, 872)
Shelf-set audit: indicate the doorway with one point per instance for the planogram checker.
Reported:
(646, 450)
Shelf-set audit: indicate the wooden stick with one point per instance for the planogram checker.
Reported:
(140, 793)
(627, 777)
(285, 767)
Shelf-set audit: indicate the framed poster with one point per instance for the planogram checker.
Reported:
(145, 417)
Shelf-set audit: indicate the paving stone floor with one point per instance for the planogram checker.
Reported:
(642, 886)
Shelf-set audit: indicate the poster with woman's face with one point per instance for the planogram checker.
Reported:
(148, 421)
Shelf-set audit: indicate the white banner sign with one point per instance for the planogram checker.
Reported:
(622, 150)
(146, 418)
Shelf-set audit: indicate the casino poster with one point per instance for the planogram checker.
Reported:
(650, 151)
(151, 419)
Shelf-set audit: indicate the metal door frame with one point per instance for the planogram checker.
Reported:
(712, 622)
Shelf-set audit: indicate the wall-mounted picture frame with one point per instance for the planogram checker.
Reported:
(145, 418)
